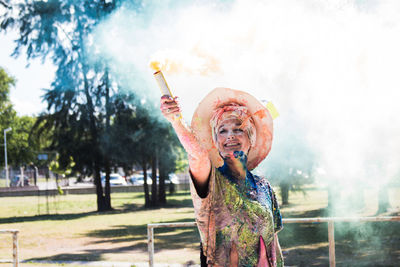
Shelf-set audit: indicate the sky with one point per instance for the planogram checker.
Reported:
(26, 94)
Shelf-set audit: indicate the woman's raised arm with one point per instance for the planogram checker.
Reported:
(199, 162)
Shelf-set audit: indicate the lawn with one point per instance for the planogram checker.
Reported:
(74, 231)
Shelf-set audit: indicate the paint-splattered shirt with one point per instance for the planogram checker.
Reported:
(238, 212)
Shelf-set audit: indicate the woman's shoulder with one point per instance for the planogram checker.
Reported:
(265, 184)
(262, 180)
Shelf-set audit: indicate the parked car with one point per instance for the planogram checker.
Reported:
(15, 181)
(138, 179)
(173, 178)
(115, 179)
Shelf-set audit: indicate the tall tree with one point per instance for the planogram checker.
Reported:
(87, 106)
(7, 113)
(169, 155)
(291, 162)
(21, 147)
(6, 81)
(21, 150)
(148, 142)
(130, 132)
(81, 96)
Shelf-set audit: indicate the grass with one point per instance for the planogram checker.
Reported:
(74, 231)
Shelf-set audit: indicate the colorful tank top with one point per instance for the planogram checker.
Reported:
(238, 212)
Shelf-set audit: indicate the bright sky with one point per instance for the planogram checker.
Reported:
(26, 95)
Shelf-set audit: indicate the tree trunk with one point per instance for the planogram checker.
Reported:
(284, 192)
(145, 185)
(333, 199)
(107, 160)
(161, 187)
(383, 199)
(107, 190)
(101, 205)
(99, 189)
(154, 181)
(356, 200)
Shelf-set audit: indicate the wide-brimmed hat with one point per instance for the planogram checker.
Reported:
(260, 115)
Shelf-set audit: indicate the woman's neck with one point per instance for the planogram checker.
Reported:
(236, 165)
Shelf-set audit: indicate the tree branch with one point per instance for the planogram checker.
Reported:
(5, 4)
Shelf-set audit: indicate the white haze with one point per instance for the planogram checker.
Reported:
(332, 69)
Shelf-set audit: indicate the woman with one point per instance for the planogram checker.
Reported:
(237, 213)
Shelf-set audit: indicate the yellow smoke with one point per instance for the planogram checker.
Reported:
(195, 62)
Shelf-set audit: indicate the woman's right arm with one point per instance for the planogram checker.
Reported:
(199, 162)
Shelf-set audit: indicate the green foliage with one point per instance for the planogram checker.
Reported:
(91, 116)
(55, 167)
(7, 113)
(81, 100)
(20, 148)
(181, 162)
(6, 81)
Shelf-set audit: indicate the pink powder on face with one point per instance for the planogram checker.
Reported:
(233, 110)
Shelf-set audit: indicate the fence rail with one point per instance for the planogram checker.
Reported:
(329, 220)
(14, 233)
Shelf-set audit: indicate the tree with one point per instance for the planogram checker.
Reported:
(56, 168)
(6, 81)
(20, 150)
(81, 98)
(291, 162)
(87, 104)
(146, 141)
(22, 145)
(7, 113)
(164, 145)
(169, 157)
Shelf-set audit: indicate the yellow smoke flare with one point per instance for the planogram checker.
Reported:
(195, 62)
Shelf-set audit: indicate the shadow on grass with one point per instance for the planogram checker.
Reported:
(164, 238)
(300, 234)
(176, 194)
(136, 235)
(317, 256)
(125, 208)
(323, 212)
(50, 217)
(357, 243)
(87, 256)
(171, 204)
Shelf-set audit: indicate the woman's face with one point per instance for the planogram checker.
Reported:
(231, 137)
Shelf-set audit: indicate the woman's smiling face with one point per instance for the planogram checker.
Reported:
(231, 137)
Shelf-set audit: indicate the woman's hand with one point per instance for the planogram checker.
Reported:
(170, 108)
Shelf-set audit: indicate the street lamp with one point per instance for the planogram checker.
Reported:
(5, 152)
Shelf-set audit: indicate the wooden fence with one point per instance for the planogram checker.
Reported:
(14, 233)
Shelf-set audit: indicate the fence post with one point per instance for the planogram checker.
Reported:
(15, 248)
(331, 238)
(150, 244)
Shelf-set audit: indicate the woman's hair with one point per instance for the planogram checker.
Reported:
(235, 111)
